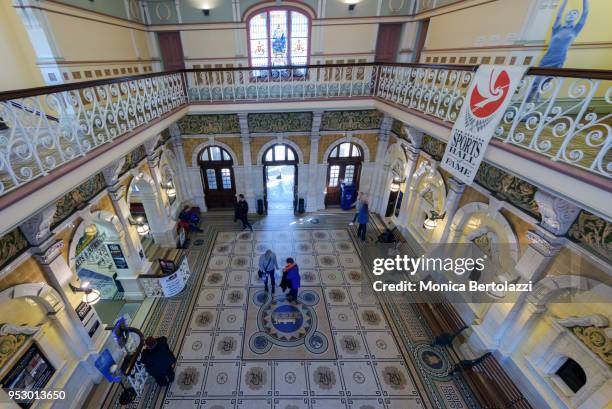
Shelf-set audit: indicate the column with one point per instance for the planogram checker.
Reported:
(128, 238)
(245, 139)
(47, 251)
(455, 191)
(413, 156)
(376, 187)
(153, 163)
(545, 243)
(163, 227)
(183, 177)
(315, 192)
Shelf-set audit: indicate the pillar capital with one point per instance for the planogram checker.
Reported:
(455, 185)
(544, 243)
(151, 144)
(414, 135)
(175, 130)
(111, 171)
(557, 214)
(37, 229)
(50, 253)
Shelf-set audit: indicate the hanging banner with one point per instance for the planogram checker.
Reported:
(486, 101)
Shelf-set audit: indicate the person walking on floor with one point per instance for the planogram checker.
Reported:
(242, 211)
(361, 197)
(159, 360)
(363, 217)
(267, 267)
(291, 279)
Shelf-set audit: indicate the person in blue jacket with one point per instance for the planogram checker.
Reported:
(363, 217)
(291, 279)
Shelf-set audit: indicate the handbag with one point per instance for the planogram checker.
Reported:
(261, 273)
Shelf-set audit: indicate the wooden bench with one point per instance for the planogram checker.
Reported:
(444, 322)
(490, 384)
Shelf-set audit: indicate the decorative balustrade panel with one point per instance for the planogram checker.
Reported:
(315, 82)
(43, 132)
(567, 119)
(438, 92)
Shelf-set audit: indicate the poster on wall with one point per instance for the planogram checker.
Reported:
(486, 101)
(31, 372)
(117, 255)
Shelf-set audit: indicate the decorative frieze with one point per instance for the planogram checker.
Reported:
(351, 120)
(78, 197)
(209, 124)
(508, 187)
(433, 147)
(132, 159)
(593, 233)
(280, 122)
(12, 244)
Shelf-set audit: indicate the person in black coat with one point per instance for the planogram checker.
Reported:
(241, 212)
(159, 360)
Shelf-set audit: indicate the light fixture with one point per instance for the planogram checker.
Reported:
(206, 12)
(91, 230)
(143, 229)
(431, 222)
(171, 192)
(395, 184)
(90, 295)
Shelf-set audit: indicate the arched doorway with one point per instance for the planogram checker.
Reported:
(280, 178)
(217, 169)
(344, 166)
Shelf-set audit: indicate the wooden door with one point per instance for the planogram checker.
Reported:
(219, 186)
(340, 171)
(171, 50)
(387, 42)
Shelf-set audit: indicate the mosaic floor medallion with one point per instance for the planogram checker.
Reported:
(278, 326)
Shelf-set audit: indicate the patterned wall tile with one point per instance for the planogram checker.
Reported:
(592, 232)
(351, 120)
(209, 124)
(11, 245)
(280, 122)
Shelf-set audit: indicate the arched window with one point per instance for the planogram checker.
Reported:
(278, 37)
(346, 150)
(215, 154)
(280, 153)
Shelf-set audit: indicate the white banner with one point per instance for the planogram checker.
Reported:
(485, 103)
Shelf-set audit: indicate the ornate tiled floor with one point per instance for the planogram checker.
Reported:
(341, 347)
(244, 349)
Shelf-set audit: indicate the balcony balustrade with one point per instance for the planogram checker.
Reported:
(562, 114)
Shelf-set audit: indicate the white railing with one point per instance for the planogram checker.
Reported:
(564, 115)
(566, 118)
(47, 127)
(292, 83)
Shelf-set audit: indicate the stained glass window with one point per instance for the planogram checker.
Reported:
(279, 38)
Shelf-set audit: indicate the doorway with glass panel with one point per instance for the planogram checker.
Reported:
(344, 166)
(216, 165)
(280, 179)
